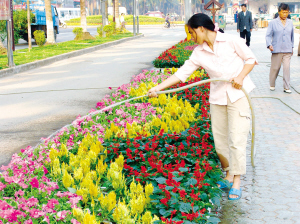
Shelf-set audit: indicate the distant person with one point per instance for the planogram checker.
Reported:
(245, 24)
(168, 20)
(236, 16)
(280, 41)
(122, 20)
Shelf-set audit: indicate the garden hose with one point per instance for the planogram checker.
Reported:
(176, 90)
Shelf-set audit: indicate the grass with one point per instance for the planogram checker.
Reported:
(23, 56)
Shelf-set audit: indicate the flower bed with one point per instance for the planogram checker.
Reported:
(147, 161)
(176, 55)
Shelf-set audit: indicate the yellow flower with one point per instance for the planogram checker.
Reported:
(101, 168)
(93, 189)
(120, 162)
(85, 164)
(108, 203)
(63, 151)
(78, 174)
(122, 214)
(149, 190)
(67, 179)
(147, 218)
(89, 219)
(78, 213)
(56, 171)
(53, 154)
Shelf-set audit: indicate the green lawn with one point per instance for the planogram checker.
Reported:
(37, 53)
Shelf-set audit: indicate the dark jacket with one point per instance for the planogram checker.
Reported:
(244, 21)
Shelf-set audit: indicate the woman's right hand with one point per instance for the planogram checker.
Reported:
(152, 92)
(271, 48)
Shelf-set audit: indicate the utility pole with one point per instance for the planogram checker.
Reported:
(137, 17)
(134, 12)
(187, 10)
(29, 26)
(103, 17)
(10, 39)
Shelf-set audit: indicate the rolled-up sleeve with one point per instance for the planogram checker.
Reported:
(269, 34)
(188, 67)
(244, 51)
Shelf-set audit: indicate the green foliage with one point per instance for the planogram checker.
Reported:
(78, 31)
(39, 37)
(128, 19)
(20, 25)
(109, 29)
(99, 30)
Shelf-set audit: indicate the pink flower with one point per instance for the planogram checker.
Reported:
(2, 186)
(62, 214)
(19, 193)
(74, 221)
(35, 213)
(45, 170)
(29, 221)
(52, 202)
(34, 183)
(46, 219)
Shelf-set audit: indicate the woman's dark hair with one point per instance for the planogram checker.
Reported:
(201, 19)
(283, 6)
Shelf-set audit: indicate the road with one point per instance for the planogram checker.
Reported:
(36, 103)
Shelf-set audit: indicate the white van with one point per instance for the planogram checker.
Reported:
(121, 10)
(65, 14)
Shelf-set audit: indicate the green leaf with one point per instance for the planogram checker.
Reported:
(185, 207)
(72, 190)
(178, 179)
(183, 169)
(213, 220)
(161, 180)
(216, 201)
(191, 181)
(169, 188)
(164, 212)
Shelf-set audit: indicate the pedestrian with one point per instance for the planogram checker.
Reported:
(280, 41)
(245, 24)
(122, 20)
(168, 20)
(222, 56)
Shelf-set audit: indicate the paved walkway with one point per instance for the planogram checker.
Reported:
(271, 190)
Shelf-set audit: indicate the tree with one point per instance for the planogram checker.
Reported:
(117, 13)
(49, 23)
(83, 15)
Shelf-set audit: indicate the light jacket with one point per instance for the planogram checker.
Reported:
(280, 37)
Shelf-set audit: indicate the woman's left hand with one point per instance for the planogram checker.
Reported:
(237, 82)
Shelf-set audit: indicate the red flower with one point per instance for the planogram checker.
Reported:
(164, 201)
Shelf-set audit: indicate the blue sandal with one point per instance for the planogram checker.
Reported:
(223, 185)
(234, 191)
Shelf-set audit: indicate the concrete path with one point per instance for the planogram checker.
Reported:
(271, 191)
(57, 93)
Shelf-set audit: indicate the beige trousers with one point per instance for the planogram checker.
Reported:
(276, 60)
(230, 127)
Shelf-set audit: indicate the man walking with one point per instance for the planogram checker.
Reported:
(244, 24)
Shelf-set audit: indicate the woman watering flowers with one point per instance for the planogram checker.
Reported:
(227, 57)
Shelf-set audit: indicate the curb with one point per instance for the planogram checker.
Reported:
(32, 65)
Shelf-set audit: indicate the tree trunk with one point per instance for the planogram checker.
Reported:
(49, 23)
(106, 11)
(117, 13)
(83, 16)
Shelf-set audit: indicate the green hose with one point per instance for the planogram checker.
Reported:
(179, 89)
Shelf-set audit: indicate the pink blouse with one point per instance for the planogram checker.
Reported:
(226, 61)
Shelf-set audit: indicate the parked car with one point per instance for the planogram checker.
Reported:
(155, 14)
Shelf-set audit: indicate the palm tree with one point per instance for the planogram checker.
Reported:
(83, 15)
(49, 23)
(117, 13)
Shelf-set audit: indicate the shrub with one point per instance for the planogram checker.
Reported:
(99, 30)
(78, 31)
(40, 38)
(109, 29)
(20, 25)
